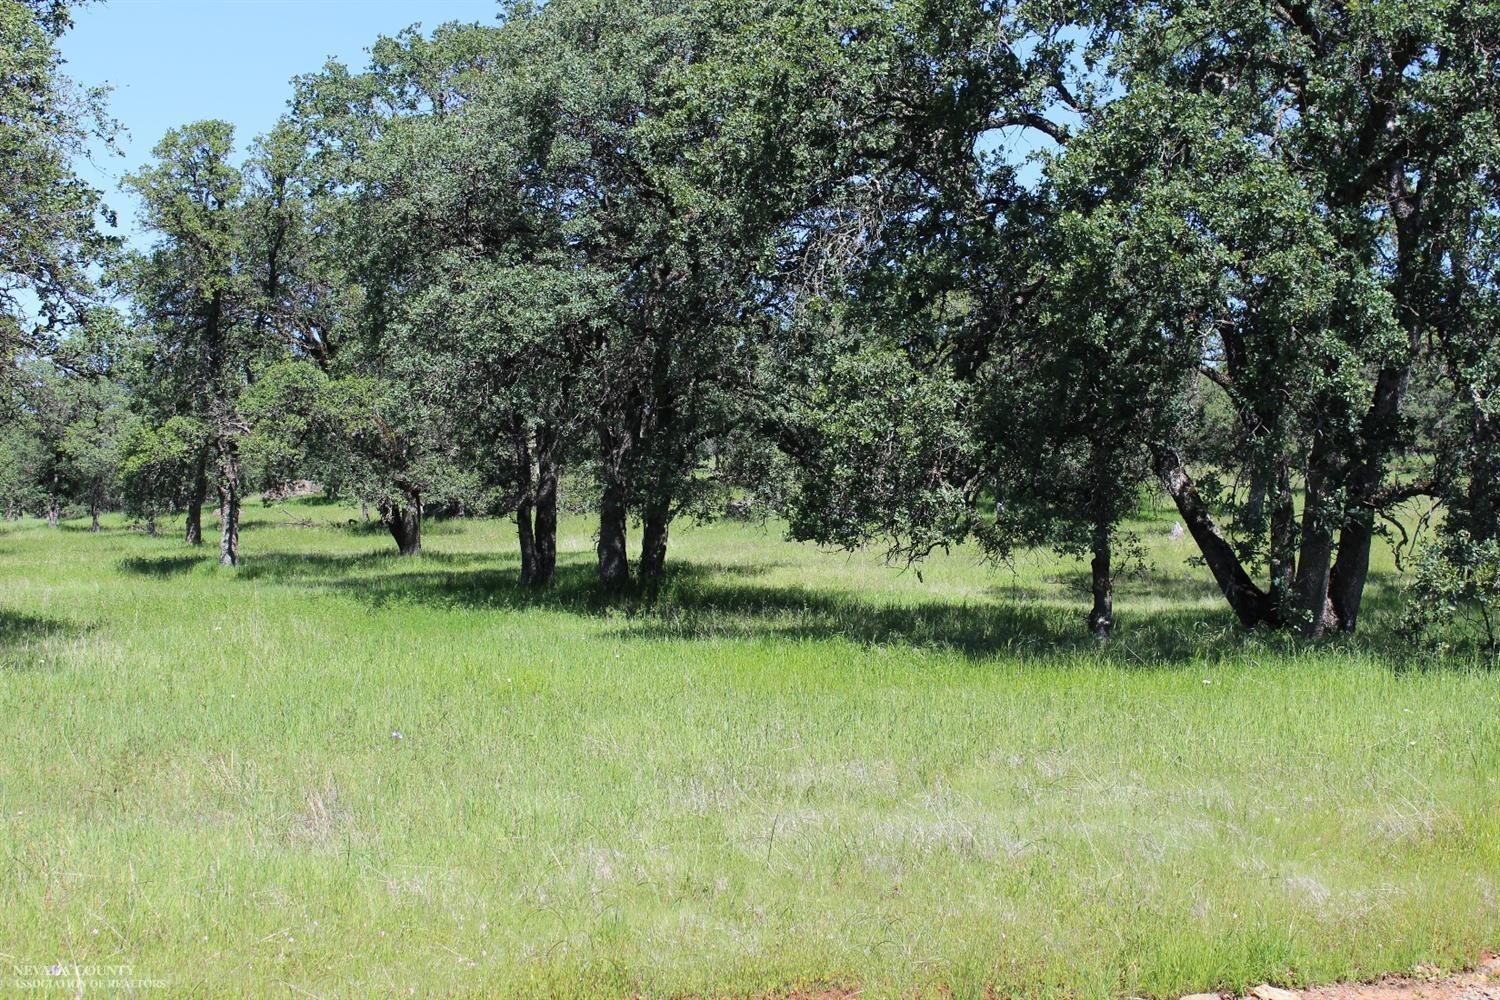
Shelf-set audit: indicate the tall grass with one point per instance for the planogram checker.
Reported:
(336, 773)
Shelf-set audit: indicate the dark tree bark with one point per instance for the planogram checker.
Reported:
(544, 530)
(229, 504)
(194, 535)
(1379, 430)
(405, 524)
(1346, 582)
(525, 473)
(536, 511)
(1260, 491)
(656, 524)
(1352, 569)
(1315, 558)
(614, 563)
(1102, 616)
(1283, 554)
(94, 516)
(1249, 603)
(526, 539)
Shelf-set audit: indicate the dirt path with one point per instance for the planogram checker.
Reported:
(1481, 984)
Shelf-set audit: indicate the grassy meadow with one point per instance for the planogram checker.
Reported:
(333, 773)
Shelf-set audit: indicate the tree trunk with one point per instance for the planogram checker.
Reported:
(1352, 569)
(614, 563)
(545, 528)
(1102, 616)
(94, 517)
(526, 537)
(229, 504)
(1283, 555)
(1260, 488)
(54, 513)
(656, 524)
(1315, 558)
(405, 524)
(536, 511)
(1346, 582)
(194, 534)
(1247, 600)
(151, 525)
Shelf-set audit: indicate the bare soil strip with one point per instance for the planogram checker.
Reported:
(1481, 984)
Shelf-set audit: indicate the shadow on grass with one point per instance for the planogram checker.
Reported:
(708, 600)
(161, 567)
(704, 601)
(1153, 584)
(20, 634)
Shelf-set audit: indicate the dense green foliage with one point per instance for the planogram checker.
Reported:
(1026, 297)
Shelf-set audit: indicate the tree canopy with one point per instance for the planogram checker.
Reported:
(909, 274)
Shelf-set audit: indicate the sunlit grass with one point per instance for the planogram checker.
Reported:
(336, 773)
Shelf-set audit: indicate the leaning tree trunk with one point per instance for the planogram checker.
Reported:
(614, 563)
(405, 524)
(1249, 602)
(1102, 615)
(194, 534)
(229, 504)
(655, 526)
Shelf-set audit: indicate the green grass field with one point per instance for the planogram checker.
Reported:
(331, 772)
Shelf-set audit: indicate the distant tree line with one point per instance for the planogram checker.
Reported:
(909, 273)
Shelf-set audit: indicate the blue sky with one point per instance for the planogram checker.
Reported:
(176, 61)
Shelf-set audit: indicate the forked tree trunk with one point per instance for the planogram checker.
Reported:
(614, 563)
(654, 529)
(536, 513)
(229, 504)
(405, 524)
(1102, 615)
